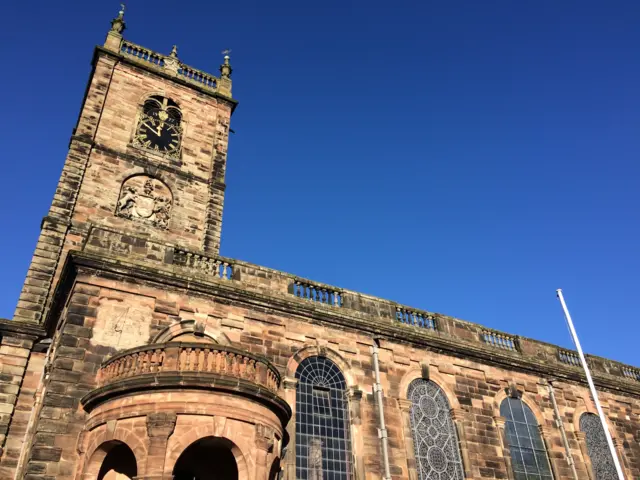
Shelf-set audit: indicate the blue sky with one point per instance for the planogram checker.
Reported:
(463, 157)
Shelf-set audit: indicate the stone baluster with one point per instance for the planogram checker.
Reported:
(196, 363)
(225, 265)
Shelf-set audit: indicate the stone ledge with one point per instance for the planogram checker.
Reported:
(27, 330)
(234, 292)
(206, 381)
(99, 50)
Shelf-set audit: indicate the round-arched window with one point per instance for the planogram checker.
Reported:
(323, 448)
(435, 439)
(529, 458)
(597, 447)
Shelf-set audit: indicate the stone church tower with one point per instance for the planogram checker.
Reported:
(137, 351)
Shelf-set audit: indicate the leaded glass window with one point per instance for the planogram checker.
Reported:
(323, 449)
(434, 435)
(529, 458)
(599, 453)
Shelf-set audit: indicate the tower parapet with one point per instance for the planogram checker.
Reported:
(167, 64)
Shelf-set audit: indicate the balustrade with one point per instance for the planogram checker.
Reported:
(190, 358)
(415, 317)
(198, 76)
(209, 265)
(500, 340)
(140, 53)
(191, 74)
(569, 357)
(316, 293)
(632, 373)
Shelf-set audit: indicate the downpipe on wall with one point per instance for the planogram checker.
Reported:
(382, 431)
(560, 425)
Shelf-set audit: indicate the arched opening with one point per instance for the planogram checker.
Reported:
(209, 458)
(119, 462)
(275, 469)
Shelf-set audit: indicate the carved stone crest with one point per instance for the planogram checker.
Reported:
(145, 199)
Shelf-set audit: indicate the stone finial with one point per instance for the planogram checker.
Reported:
(171, 63)
(114, 37)
(117, 24)
(225, 68)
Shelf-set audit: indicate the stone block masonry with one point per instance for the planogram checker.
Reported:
(136, 350)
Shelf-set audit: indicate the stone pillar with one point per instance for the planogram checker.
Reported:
(626, 468)
(290, 386)
(355, 420)
(14, 355)
(586, 460)
(159, 428)
(264, 446)
(457, 416)
(546, 433)
(506, 451)
(405, 413)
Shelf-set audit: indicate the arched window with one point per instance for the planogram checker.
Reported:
(323, 449)
(597, 447)
(529, 458)
(159, 127)
(434, 435)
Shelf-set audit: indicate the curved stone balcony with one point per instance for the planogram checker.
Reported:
(193, 365)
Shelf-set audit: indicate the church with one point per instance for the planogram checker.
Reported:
(137, 351)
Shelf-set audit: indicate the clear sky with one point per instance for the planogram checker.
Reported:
(464, 157)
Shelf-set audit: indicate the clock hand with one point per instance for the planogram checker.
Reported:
(150, 127)
(160, 125)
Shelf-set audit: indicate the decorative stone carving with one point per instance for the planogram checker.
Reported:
(145, 199)
(161, 424)
(264, 437)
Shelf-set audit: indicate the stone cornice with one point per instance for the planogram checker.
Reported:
(231, 292)
(164, 381)
(150, 165)
(29, 331)
(99, 50)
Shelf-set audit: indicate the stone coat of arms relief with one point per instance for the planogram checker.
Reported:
(145, 199)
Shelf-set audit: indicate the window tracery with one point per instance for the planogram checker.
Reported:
(597, 447)
(434, 434)
(529, 458)
(323, 448)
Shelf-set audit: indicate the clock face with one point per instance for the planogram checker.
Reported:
(159, 131)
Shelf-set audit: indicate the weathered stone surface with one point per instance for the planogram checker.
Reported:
(154, 341)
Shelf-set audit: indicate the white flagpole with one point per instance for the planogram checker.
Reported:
(592, 387)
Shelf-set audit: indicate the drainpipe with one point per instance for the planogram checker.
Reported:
(560, 425)
(382, 431)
